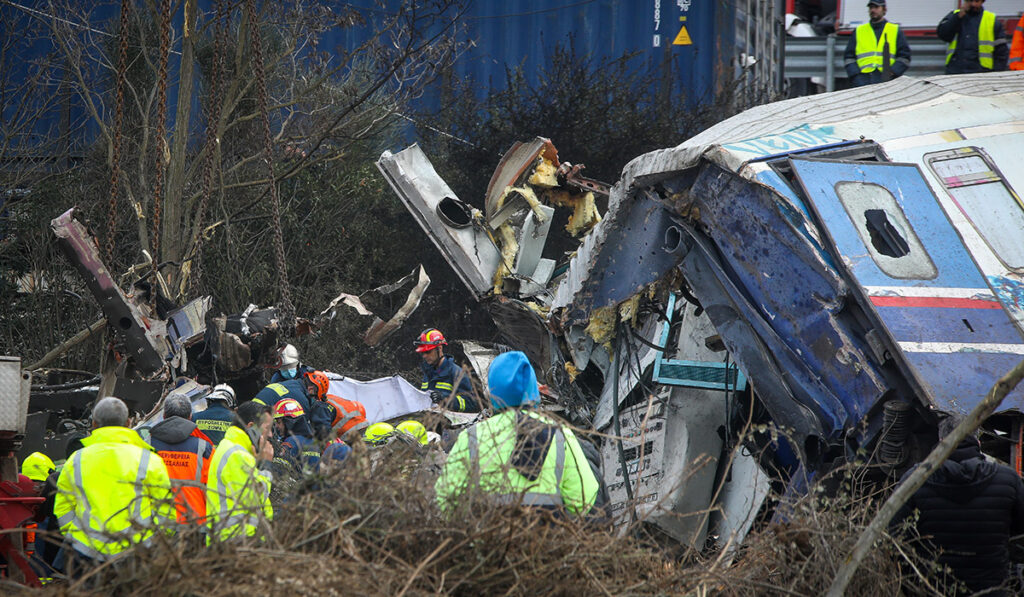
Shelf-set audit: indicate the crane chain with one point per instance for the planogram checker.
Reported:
(212, 121)
(160, 144)
(115, 170)
(287, 311)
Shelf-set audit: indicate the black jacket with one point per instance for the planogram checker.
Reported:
(965, 31)
(969, 509)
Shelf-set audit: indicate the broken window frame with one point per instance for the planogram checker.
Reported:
(920, 265)
(991, 176)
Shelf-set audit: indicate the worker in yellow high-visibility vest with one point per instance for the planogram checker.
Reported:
(869, 44)
(977, 40)
(115, 492)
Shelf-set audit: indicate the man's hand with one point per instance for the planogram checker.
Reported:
(266, 450)
(436, 397)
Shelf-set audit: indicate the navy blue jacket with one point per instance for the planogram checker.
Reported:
(278, 391)
(966, 32)
(299, 451)
(441, 378)
(214, 421)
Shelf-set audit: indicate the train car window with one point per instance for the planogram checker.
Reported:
(885, 231)
(985, 198)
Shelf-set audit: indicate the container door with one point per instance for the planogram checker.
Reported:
(910, 267)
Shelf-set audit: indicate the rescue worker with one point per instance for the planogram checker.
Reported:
(186, 452)
(977, 40)
(440, 374)
(220, 411)
(378, 434)
(38, 467)
(283, 390)
(1016, 59)
(415, 430)
(292, 428)
(332, 416)
(113, 493)
(288, 365)
(238, 491)
(866, 49)
(518, 456)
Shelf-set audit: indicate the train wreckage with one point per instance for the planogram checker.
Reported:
(810, 283)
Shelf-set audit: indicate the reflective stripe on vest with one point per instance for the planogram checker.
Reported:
(84, 522)
(986, 40)
(870, 51)
(529, 498)
(189, 496)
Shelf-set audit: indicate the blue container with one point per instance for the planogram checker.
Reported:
(688, 47)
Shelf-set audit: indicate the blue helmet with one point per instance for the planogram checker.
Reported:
(511, 381)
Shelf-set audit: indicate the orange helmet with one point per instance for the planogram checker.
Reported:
(320, 380)
(429, 340)
(289, 407)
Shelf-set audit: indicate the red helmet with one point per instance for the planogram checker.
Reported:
(320, 380)
(429, 340)
(289, 407)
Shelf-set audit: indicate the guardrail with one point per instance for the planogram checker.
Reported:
(823, 57)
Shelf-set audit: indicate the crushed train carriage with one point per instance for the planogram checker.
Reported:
(836, 270)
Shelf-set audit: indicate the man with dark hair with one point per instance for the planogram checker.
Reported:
(866, 50)
(977, 40)
(968, 511)
(238, 491)
(186, 451)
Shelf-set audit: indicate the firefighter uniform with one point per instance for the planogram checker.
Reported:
(237, 492)
(112, 494)
(441, 379)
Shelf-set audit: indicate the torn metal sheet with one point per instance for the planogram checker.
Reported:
(532, 236)
(146, 343)
(464, 244)
(381, 329)
(188, 324)
(671, 446)
(742, 496)
(479, 358)
(514, 167)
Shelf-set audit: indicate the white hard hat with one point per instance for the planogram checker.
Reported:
(289, 357)
(223, 392)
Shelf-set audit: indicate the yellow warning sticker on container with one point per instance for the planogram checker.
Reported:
(683, 38)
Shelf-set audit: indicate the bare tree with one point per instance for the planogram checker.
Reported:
(320, 103)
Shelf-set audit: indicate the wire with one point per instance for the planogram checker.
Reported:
(618, 434)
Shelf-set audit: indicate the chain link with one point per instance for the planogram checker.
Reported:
(213, 109)
(115, 170)
(160, 144)
(287, 311)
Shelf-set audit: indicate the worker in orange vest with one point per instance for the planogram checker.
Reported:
(348, 415)
(186, 451)
(1017, 46)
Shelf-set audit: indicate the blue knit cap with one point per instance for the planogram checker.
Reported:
(512, 381)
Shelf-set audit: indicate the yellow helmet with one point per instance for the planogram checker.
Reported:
(37, 466)
(378, 433)
(415, 429)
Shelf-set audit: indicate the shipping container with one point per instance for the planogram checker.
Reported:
(694, 50)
